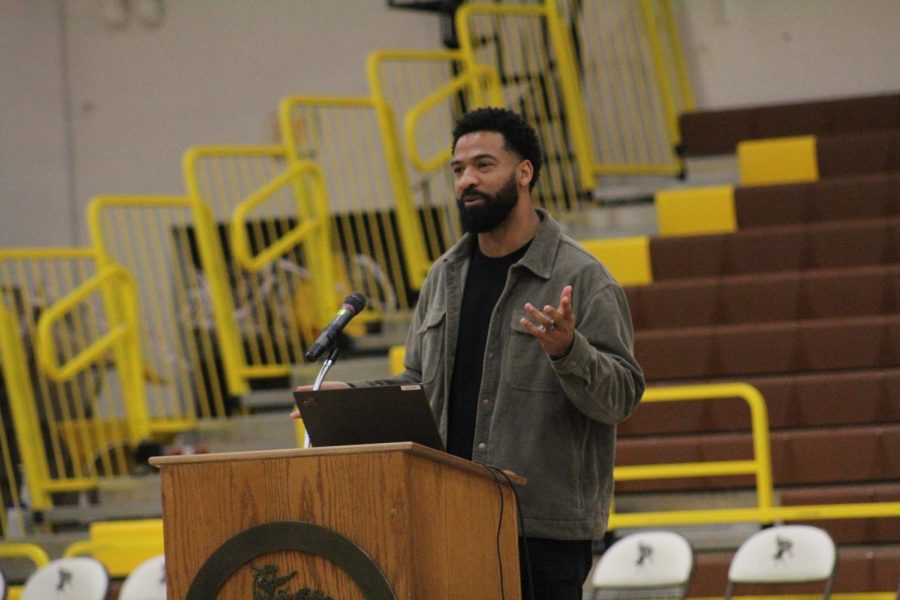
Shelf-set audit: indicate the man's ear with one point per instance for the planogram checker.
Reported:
(524, 172)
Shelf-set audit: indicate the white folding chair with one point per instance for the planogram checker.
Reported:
(653, 564)
(147, 581)
(784, 554)
(75, 578)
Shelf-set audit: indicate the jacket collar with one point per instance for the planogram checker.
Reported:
(539, 257)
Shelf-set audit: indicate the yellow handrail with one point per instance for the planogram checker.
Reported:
(121, 337)
(55, 313)
(240, 239)
(576, 120)
(764, 511)
(33, 552)
(760, 466)
(410, 122)
(375, 59)
(211, 257)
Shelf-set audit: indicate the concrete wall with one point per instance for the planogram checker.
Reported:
(90, 109)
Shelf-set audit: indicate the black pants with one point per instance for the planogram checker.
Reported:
(558, 568)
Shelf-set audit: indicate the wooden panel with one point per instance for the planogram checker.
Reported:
(431, 524)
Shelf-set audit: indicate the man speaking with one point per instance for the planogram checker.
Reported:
(523, 343)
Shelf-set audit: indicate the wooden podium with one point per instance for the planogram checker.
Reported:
(353, 522)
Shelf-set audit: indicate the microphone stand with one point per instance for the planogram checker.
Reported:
(320, 378)
(332, 356)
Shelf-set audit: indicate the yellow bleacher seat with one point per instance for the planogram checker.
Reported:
(627, 258)
(696, 211)
(121, 545)
(778, 160)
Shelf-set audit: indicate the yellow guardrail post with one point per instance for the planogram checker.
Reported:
(684, 83)
(414, 253)
(212, 259)
(665, 88)
(572, 97)
(470, 77)
(22, 408)
(122, 339)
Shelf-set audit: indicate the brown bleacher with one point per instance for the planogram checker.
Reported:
(718, 131)
(775, 249)
(802, 302)
(785, 296)
(859, 153)
(859, 570)
(793, 402)
(842, 199)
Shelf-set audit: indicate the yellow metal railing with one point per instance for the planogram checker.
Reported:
(619, 96)
(531, 51)
(413, 118)
(121, 340)
(31, 279)
(375, 229)
(282, 296)
(190, 347)
(634, 82)
(402, 80)
(760, 466)
(23, 424)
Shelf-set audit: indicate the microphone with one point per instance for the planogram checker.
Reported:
(351, 307)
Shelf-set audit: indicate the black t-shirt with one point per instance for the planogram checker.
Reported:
(485, 281)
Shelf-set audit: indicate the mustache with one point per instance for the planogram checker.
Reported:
(473, 194)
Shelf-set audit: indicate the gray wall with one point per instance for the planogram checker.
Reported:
(89, 109)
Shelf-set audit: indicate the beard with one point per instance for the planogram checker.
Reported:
(494, 209)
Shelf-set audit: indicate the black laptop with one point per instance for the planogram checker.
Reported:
(368, 415)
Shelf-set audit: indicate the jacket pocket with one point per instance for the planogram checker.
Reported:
(431, 334)
(525, 364)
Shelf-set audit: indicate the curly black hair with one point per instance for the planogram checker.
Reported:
(518, 135)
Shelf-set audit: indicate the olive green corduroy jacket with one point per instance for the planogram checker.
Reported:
(551, 421)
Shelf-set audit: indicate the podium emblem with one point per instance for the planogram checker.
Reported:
(290, 536)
